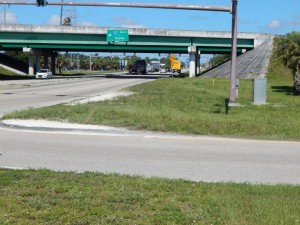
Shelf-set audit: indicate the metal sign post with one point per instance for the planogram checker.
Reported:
(232, 98)
(129, 5)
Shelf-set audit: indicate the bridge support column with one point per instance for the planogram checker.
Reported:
(30, 60)
(53, 64)
(46, 62)
(198, 62)
(38, 62)
(193, 61)
(31, 65)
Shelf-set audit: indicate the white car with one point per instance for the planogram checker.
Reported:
(43, 74)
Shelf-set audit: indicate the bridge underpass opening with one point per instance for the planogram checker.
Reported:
(193, 54)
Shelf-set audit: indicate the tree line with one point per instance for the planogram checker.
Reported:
(80, 61)
(95, 62)
(287, 49)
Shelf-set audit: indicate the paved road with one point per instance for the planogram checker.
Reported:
(17, 95)
(148, 154)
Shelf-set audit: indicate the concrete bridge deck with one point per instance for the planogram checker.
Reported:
(83, 38)
(45, 41)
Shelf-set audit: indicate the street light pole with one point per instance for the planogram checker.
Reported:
(4, 15)
(61, 13)
(232, 98)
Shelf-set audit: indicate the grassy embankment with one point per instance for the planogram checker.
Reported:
(44, 197)
(9, 75)
(192, 106)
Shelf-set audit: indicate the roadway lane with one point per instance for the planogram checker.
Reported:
(22, 94)
(146, 154)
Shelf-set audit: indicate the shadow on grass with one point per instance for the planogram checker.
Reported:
(288, 90)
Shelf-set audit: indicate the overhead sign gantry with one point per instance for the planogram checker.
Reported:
(231, 9)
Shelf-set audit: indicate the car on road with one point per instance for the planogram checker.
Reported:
(163, 70)
(43, 74)
(150, 69)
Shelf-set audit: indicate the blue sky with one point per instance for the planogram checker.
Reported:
(270, 16)
(267, 16)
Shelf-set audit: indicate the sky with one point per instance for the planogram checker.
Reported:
(263, 16)
(267, 16)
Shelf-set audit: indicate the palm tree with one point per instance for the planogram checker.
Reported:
(288, 50)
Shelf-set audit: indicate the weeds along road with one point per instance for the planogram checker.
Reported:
(136, 153)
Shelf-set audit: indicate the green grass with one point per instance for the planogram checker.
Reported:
(44, 197)
(192, 106)
(6, 72)
(9, 75)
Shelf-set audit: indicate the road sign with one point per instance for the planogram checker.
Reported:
(172, 57)
(117, 35)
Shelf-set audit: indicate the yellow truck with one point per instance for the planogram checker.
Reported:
(175, 66)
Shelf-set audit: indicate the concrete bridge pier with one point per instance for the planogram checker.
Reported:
(31, 64)
(193, 61)
(198, 62)
(53, 66)
(46, 61)
(38, 62)
(30, 60)
(52, 56)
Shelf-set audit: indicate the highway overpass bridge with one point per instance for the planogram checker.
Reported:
(47, 40)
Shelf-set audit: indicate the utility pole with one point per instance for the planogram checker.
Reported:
(61, 13)
(4, 15)
(232, 98)
(294, 11)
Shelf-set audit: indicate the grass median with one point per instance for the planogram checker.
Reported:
(191, 106)
(45, 197)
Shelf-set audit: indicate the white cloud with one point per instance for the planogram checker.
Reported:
(126, 22)
(9, 18)
(54, 20)
(275, 24)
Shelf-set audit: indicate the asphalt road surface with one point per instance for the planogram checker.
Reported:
(22, 94)
(197, 158)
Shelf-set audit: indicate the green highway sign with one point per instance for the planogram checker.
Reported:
(117, 35)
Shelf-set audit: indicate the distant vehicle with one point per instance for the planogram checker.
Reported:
(176, 66)
(155, 66)
(150, 69)
(163, 70)
(67, 68)
(43, 74)
(139, 67)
